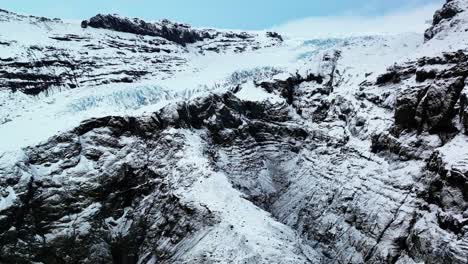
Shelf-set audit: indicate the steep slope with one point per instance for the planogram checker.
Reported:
(448, 30)
(354, 152)
(54, 74)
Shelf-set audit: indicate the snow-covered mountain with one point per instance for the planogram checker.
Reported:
(125, 141)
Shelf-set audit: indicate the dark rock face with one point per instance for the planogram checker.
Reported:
(104, 192)
(406, 105)
(49, 68)
(113, 215)
(181, 34)
(437, 110)
(63, 61)
(35, 77)
(31, 81)
(308, 95)
(395, 75)
(178, 33)
(436, 105)
(432, 107)
(275, 35)
(422, 75)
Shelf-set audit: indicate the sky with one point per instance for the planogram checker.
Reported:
(230, 14)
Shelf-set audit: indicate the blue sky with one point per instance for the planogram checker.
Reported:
(241, 14)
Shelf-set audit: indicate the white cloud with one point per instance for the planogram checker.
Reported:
(412, 20)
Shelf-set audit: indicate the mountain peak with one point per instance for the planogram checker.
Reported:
(128, 141)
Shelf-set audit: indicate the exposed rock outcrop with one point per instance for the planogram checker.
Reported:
(434, 106)
(179, 33)
(443, 17)
(104, 191)
(61, 60)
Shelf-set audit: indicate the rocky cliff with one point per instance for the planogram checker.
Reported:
(50, 54)
(354, 157)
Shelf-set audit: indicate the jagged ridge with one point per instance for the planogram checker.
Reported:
(322, 173)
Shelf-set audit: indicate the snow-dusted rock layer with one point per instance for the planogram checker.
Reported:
(354, 152)
(44, 54)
